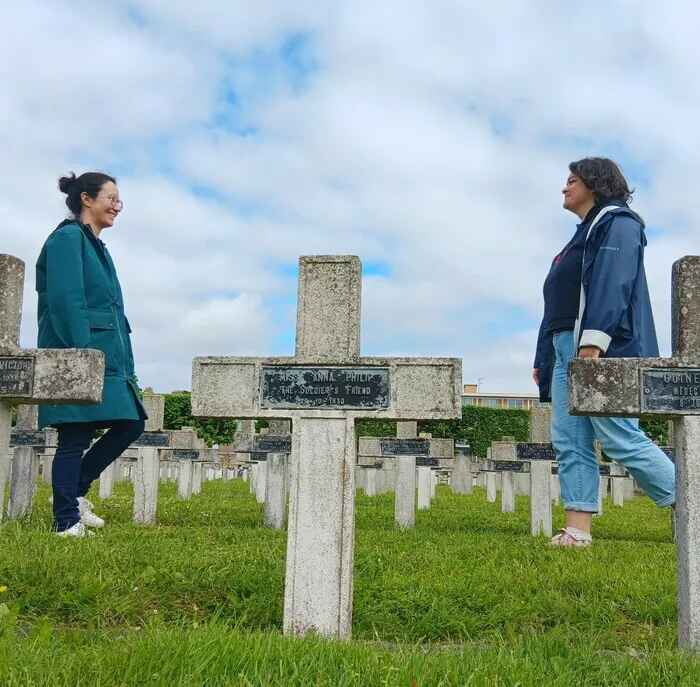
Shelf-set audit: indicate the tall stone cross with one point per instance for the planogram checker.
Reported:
(33, 376)
(323, 389)
(662, 388)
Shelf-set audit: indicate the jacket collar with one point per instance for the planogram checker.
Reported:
(593, 212)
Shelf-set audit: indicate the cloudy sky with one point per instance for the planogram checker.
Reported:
(430, 138)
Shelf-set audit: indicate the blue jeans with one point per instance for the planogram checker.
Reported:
(73, 472)
(620, 438)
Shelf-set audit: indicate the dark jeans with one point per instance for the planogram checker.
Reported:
(73, 472)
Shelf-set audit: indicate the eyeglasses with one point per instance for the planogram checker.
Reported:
(115, 202)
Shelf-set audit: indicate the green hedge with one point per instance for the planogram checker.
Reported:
(478, 426)
(178, 414)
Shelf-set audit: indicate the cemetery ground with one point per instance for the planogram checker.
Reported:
(466, 598)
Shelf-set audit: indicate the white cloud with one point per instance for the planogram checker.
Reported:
(433, 138)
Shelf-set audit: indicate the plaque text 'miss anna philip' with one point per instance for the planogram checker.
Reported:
(330, 387)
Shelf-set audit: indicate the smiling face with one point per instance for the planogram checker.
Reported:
(101, 211)
(578, 198)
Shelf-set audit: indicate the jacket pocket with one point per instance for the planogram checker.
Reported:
(103, 337)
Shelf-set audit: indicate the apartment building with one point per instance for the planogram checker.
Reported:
(473, 397)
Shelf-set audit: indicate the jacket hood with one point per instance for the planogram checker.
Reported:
(624, 209)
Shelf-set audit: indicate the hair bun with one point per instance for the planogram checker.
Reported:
(66, 183)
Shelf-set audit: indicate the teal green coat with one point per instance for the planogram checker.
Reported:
(81, 306)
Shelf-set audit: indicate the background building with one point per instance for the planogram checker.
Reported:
(473, 397)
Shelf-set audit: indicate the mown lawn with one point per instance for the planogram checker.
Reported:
(467, 598)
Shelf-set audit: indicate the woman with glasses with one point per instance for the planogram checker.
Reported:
(81, 306)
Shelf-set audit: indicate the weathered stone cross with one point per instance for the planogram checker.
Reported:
(35, 376)
(324, 389)
(668, 388)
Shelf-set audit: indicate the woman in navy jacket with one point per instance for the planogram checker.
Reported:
(597, 304)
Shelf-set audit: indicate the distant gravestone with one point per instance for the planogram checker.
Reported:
(324, 389)
(271, 478)
(34, 377)
(538, 456)
(155, 408)
(406, 451)
(662, 388)
(25, 440)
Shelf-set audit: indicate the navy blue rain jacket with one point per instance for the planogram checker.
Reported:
(615, 312)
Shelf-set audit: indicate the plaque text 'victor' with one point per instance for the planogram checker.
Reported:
(16, 376)
(329, 387)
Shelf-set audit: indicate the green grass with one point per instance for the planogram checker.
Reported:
(467, 598)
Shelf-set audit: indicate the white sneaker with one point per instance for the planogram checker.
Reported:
(87, 517)
(78, 530)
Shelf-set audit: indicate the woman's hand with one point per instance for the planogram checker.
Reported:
(536, 375)
(589, 352)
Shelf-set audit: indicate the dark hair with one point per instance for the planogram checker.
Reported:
(90, 183)
(603, 177)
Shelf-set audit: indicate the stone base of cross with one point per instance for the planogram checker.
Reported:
(324, 389)
(32, 376)
(662, 388)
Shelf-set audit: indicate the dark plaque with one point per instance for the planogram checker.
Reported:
(405, 447)
(508, 465)
(258, 456)
(604, 469)
(669, 452)
(425, 462)
(324, 387)
(529, 451)
(185, 454)
(153, 440)
(673, 390)
(270, 444)
(16, 376)
(23, 437)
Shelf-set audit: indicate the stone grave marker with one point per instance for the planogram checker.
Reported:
(270, 452)
(538, 454)
(34, 376)
(462, 475)
(662, 388)
(324, 389)
(406, 450)
(26, 440)
(147, 468)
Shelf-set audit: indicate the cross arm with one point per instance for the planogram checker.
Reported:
(396, 388)
(52, 375)
(634, 387)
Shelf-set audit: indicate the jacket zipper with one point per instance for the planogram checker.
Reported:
(116, 313)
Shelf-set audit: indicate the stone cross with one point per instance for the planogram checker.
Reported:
(405, 449)
(33, 376)
(324, 389)
(662, 388)
(147, 470)
(537, 456)
(25, 439)
(271, 478)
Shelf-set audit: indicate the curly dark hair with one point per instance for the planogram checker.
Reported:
(603, 177)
